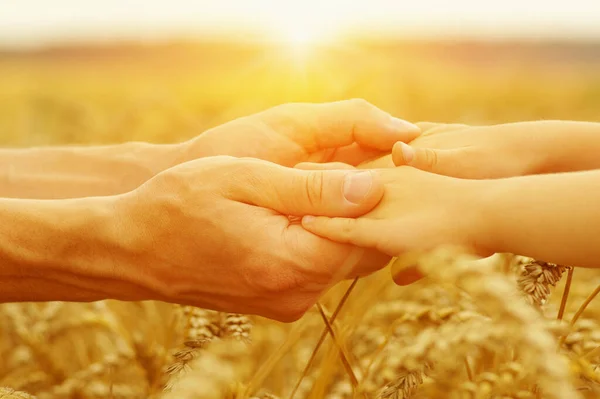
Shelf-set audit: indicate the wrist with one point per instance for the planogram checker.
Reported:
(498, 210)
(485, 229)
(156, 158)
(551, 139)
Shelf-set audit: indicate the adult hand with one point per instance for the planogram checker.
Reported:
(215, 233)
(350, 131)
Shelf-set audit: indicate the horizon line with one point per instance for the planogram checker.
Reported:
(258, 37)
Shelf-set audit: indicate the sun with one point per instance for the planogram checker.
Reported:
(300, 27)
(300, 35)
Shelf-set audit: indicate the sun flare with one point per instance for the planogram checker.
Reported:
(303, 35)
(300, 35)
(303, 27)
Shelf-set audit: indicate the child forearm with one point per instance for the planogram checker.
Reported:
(549, 217)
(565, 146)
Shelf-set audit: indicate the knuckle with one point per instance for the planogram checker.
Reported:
(173, 190)
(431, 158)
(246, 174)
(315, 187)
(240, 166)
(222, 159)
(364, 108)
(360, 103)
(248, 161)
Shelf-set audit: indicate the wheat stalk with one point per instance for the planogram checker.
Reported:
(9, 393)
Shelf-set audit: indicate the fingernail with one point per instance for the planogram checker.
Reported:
(403, 125)
(357, 186)
(308, 219)
(408, 153)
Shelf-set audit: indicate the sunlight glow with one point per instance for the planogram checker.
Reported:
(303, 27)
(299, 23)
(300, 35)
(300, 40)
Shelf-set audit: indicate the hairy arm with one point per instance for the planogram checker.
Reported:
(79, 171)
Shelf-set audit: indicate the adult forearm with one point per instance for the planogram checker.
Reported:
(554, 217)
(78, 171)
(71, 250)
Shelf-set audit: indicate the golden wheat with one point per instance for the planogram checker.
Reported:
(472, 329)
(469, 330)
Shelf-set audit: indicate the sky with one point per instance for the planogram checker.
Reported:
(40, 22)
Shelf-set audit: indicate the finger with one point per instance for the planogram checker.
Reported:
(407, 276)
(371, 261)
(292, 191)
(445, 162)
(323, 166)
(337, 124)
(359, 232)
(383, 162)
(359, 262)
(328, 261)
(404, 270)
(355, 154)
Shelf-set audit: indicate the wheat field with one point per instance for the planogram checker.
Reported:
(502, 327)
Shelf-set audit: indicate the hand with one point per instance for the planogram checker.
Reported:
(200, 234)
(349, 131)
(419, 211)
(481, 152)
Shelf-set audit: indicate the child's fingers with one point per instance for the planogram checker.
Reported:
(384, 162)
(444, 162)
(404, 270)
(355, 154)
(359, 232)
(407, 275)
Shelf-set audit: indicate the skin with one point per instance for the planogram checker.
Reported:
(185, 224)
(505, 150)
(351, 131)
(478, 193)
(557, 215)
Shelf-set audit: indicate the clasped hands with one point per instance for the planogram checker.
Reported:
(215, 230)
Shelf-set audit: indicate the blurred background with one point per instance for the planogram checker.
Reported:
(77, 71)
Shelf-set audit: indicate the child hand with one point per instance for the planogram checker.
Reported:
(487, 152)
(419, 211)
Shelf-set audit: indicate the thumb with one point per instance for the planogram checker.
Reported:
(344, 193)
(444, 162)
